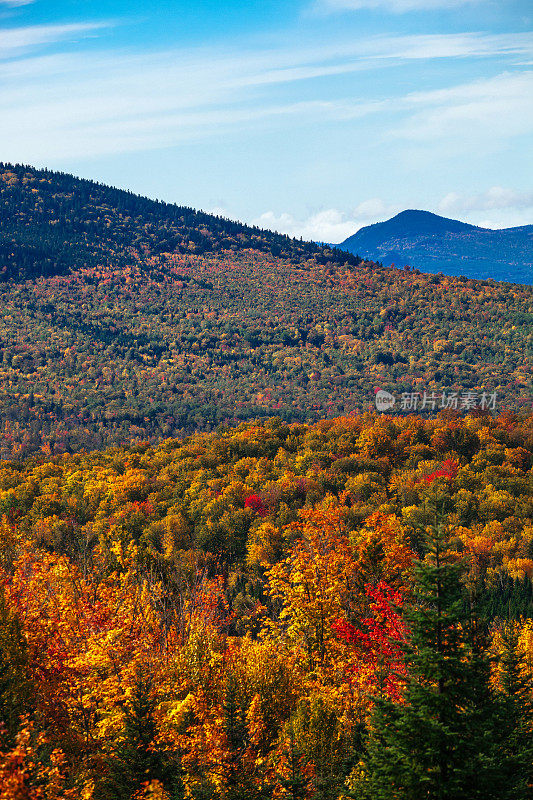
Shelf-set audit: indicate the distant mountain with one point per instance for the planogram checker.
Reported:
(124, 319)
(436, 244)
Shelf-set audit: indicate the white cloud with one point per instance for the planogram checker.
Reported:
(13, 41)
(495, 198)
(325, 226)
(329, 225)
(394, 6)
(505, 207)
(64, 106)
(486, 89)
(503, 219)
(371, 209)
(495, 108)
(16, 2)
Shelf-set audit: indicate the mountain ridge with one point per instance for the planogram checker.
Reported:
(124, 320)
(37, 205)
(433, 243)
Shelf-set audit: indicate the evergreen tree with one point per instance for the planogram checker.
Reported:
(239, 784)
(136, 760)
(442, 742)
(295, 782)
(515, 720)
(237, 737)
(15, 687)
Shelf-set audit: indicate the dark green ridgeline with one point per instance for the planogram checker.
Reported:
(52, 223)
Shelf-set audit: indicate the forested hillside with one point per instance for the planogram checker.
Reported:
(215, 617)
(126, 319)
(53, 224)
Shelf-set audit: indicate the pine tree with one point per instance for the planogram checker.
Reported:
(136, 760)
(294, 782)
(237, 737)
(15, 687)
(441, 743)
(515, 719)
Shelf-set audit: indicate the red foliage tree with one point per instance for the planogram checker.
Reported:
(377, 645)
(256, 504)
(448, 469)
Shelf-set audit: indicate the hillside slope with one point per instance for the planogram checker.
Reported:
(436, 244)
(147, 336)
(52, 223)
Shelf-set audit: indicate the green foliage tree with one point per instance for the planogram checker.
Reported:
(294, 780)
(445, 741)
(237, 736)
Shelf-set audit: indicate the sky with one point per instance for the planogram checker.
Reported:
(310, 117)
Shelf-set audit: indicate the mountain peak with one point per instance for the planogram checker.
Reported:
(416, 220)
(433, 243)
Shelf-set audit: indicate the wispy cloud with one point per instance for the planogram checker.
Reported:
(449, 45)
(14, 41)
(14, 3)
(494, 199)
(70, 105)
(501, 106)
(394, 6)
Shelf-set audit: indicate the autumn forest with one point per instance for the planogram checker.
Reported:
(147, 321)
(224, 575)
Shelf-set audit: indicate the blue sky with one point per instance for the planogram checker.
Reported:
(313, 117)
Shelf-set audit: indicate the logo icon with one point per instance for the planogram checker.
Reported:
(384, 400)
